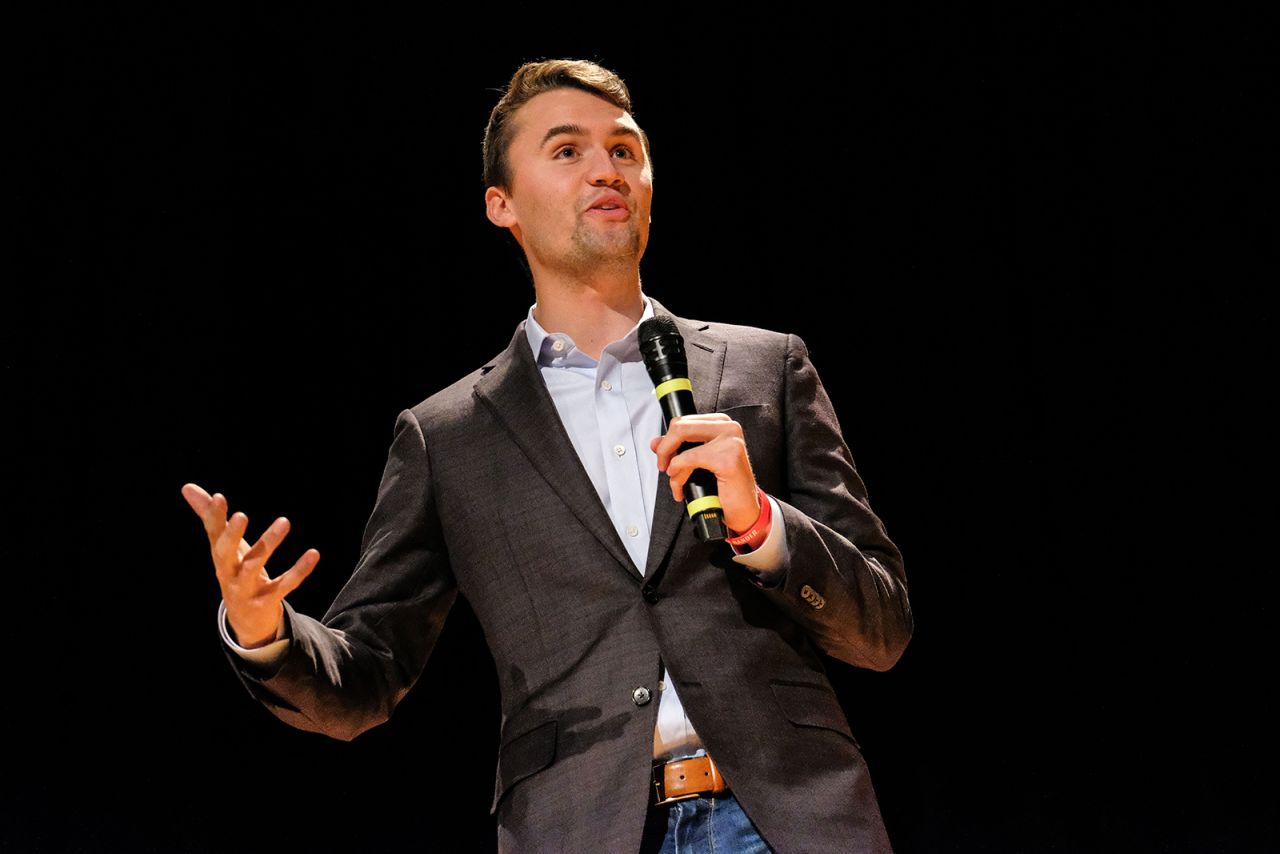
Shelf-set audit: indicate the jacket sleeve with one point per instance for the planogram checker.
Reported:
(845, 582)
(347, 672)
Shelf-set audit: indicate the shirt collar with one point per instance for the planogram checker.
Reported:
(542, 342)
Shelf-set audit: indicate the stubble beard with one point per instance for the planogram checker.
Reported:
(612, 245)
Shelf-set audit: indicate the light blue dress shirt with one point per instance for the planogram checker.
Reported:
(610, 412)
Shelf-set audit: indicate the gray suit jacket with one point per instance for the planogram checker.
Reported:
(484, 494)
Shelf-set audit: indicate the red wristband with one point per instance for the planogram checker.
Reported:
(753, 536)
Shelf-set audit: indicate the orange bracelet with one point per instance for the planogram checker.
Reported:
(760, 528)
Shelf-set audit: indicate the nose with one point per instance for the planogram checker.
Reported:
(603, 169)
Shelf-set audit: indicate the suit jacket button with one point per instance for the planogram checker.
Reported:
(649, 593)
(641, 695)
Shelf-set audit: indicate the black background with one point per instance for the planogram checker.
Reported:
(1027, 250)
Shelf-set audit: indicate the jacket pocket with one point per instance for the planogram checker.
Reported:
(806, 704)
(523, 756)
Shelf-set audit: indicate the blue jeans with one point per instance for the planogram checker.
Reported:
(703, 826)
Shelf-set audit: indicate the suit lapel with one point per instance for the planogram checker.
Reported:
(706, 366)
(513, 389)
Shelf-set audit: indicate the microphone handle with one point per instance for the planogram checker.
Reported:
(701, 497)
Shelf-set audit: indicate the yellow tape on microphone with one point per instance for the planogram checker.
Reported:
(678, 384)
(703, 504)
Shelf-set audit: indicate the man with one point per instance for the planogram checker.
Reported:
(656, 689)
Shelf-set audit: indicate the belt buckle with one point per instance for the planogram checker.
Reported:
(660, 786)
(660, 801)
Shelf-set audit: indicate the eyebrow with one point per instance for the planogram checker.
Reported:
(577, 130)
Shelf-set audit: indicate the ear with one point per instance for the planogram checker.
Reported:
(497, 206)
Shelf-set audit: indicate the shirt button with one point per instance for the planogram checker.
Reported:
(641, 695)
(606, 385)
(619, 450)
(557, 345)
(632, 531)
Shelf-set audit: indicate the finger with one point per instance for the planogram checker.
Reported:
(289, 581)
(196, 498)
(681, 466)
(707, 416)
(725, 458)
(201, 502)
(225, 548)
(655, 445)
(666, 445)
(689, 429)
(262, 550)
(215, 517)
(666, 448)
(696, 429)
(701, 416)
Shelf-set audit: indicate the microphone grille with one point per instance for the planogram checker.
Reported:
(658, 326)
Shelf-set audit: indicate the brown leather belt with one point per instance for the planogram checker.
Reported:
(681, 779)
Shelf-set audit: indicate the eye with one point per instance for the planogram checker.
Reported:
(626, 151)
(563, 150)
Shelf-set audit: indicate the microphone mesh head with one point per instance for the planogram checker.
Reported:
(657, 326)
(662, 348)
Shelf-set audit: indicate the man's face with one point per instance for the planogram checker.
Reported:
(573, 152)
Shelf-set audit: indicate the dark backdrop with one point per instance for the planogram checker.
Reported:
(1023, 249)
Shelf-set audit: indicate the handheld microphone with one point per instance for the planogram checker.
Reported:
(662, 347)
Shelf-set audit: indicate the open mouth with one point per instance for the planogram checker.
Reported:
(610, 212)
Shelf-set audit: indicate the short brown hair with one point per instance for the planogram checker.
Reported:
(534, 78)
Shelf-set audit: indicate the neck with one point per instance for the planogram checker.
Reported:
(593, 314)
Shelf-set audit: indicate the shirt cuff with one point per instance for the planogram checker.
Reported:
(770, 560)
(269, 654)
